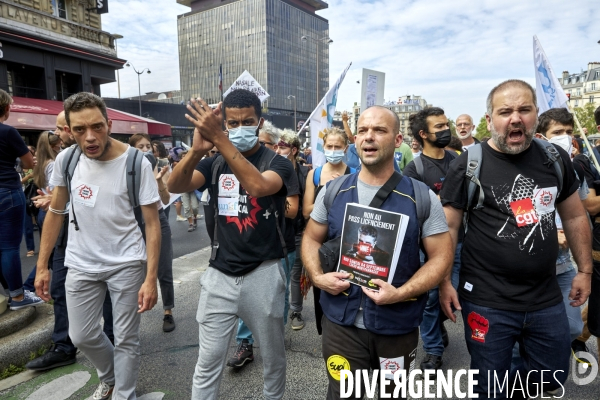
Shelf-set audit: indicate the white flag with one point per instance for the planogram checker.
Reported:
(321, 119)
(247, 81)
(548, 90)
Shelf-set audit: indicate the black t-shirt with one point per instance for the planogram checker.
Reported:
(434, 170)
(293, 188)
(12, 146)
(510, 249)
(583, 168)
(251, 237)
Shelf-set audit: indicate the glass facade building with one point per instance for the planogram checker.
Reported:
(282, 43)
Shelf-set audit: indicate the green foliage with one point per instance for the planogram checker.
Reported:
(482, 130)
(585, 115)
(452, 126)
(10, 371)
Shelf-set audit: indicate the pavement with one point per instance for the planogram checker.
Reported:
(168, 359)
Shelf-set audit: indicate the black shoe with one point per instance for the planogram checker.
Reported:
(168, 323)
(53, 358)
(242, 355)
(445, 338)
(431, 361)
(579, 346)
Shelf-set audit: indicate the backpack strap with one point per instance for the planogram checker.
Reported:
(422, 200)
(554, 158)
(216, 169)
(317, 176)
(134, 175)
(418, 166)
(474, 155)
(73, 154)
(332, 189)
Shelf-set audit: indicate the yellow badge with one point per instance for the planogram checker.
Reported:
(335, 364)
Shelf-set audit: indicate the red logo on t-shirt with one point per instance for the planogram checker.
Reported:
(524, 212)
(85, 192)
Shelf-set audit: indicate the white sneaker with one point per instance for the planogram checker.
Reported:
(180, 218)
(103, 391)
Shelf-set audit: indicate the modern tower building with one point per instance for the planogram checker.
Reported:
(282, 43)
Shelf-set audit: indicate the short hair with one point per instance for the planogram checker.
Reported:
(290, 138)
(242, 98)
(396, 127)
(134, 139)
(367, 230)
(506, 84)
(82, 100)
(560, 115)
(160, 148)
(418, 122)
(5, 101)
(455, 144)
(333, 131)
(597, 116)
(271, 130)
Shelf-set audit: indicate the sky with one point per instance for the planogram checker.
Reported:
(452, 53)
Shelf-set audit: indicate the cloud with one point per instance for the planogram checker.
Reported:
(450, 52)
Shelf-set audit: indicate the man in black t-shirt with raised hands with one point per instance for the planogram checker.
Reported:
(245, 278)
(430, 128)
(508, 287)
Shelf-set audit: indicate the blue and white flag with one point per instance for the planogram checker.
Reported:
(321, 119)
(548, 90)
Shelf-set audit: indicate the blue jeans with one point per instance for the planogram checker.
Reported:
(30, 282)
(431, 332)
(573, 313)
(544, 344)
(12, 214)
(243, 331)
(28, 231)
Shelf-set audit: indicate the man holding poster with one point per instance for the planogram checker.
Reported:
(364, 329)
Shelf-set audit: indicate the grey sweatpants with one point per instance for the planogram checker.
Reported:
(118, 365)
(257, 298)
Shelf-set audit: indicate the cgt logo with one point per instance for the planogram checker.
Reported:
(584, 372)
(524, 212)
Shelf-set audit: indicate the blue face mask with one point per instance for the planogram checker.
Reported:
(244, 137)
(334, 156)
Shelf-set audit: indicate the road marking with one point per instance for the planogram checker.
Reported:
(61, 388)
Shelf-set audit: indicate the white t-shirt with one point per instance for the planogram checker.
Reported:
(108, 235)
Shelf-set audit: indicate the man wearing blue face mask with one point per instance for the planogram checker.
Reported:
(246, 278)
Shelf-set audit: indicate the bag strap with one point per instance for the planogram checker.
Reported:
(422, 200)
(554, 158)
(317, 176)
(418, 166)
(216, 168)
(73, 154)
(386, 189)
(134, 175)
(474, 155)
(332, 189)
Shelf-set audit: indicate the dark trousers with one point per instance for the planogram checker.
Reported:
(544, 344)
(60, 336)
(352, 348)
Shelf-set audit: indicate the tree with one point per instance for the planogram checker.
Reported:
(452, 126)
(482, 130)
(585, 115)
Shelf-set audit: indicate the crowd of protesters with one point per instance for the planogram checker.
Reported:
(505, 231)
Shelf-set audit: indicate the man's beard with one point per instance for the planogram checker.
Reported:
(502, 145)
(106, 148)
(461, 137)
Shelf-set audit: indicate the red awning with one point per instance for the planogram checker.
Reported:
(36, 114)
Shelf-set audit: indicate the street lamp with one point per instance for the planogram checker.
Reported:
(325, 40)
(139, 87)
(115, 37)
(295, 125)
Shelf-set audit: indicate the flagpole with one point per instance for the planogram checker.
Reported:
(585, 139)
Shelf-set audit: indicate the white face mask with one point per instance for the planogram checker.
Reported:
(563, 141)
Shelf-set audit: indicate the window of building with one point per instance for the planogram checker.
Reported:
(576, 103)
(60, 8)
(591, 99)
(578, 92)
(593, 86)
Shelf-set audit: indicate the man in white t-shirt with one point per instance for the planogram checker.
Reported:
(105, 249)
(464, 131)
